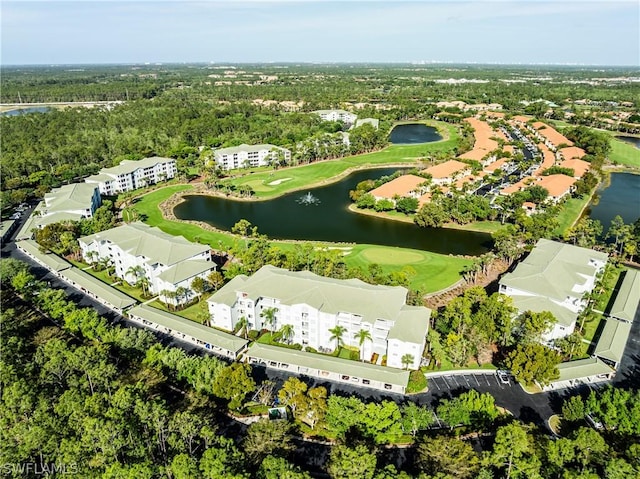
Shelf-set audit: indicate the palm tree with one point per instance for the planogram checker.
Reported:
(287, 331)
(407, 360)
(362, 336)
(136, 272)
(269, 316)
(200, 286)
(93, 257)
(336, 333)
(181, 292)
(243, 325)
(168, 295)
(143, 283)
(103, 263)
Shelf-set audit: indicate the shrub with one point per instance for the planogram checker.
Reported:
(253, 334)
(417, 382)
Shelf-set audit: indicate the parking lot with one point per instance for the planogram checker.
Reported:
(472, 381)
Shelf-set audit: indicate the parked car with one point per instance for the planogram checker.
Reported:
(503, 376)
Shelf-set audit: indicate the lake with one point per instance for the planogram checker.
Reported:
(634, 140)
(287, 217)
(24, 111)
(620, 197)
(413, 133)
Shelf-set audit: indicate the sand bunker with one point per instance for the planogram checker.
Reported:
(277, 182)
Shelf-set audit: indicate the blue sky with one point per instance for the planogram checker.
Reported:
(485, 31)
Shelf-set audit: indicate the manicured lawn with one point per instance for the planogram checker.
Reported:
(148, 206)
(623, 153)
(195, 312)
(105, 278)
(433, 271)
(570, 213)
(609, 281)
(447, 366)
(590, 327)
(396, 256)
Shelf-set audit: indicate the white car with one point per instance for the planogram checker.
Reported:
(503, 376)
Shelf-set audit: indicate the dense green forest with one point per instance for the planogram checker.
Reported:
(85, 397)
(319, 85)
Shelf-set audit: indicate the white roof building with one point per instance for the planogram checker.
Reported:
(131, 175)
(249, 156)
(337, 115)
(167, 262)
(68, 203)
(554, 277)
(314, 304)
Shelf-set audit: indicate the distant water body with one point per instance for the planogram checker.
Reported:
(620, 197)
(634, 140)
(25, 111)
(413, 133)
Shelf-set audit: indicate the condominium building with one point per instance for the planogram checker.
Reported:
(445, 173)
(550, 136)
(131, 175)
(72, 202)
(168, 263)
(249, 156)
(314, 305)
(404, 186)
(337, 115)
(555, 277)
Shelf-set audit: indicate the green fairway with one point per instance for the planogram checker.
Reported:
(623, 153)
(433, 271)
(398, 256)
(268, 184)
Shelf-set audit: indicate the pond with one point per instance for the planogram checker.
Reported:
(24, 111)
(323, 216)
(620, 197)
(634, 140)
(413, 133)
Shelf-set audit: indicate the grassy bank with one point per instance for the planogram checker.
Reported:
(433, 271)
(479, 226)
(623, 153)
(570, 213)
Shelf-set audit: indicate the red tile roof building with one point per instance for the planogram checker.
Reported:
(571, 152)
(406, 185)
(444, 172)
(579, 167)
(548, 159)
(552, 137)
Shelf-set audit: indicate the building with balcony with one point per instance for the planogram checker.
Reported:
(131, 175)
(314, 305)
(136, 251)
(249, 156)
(555, 277)
(337, 115)
(72, 202)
